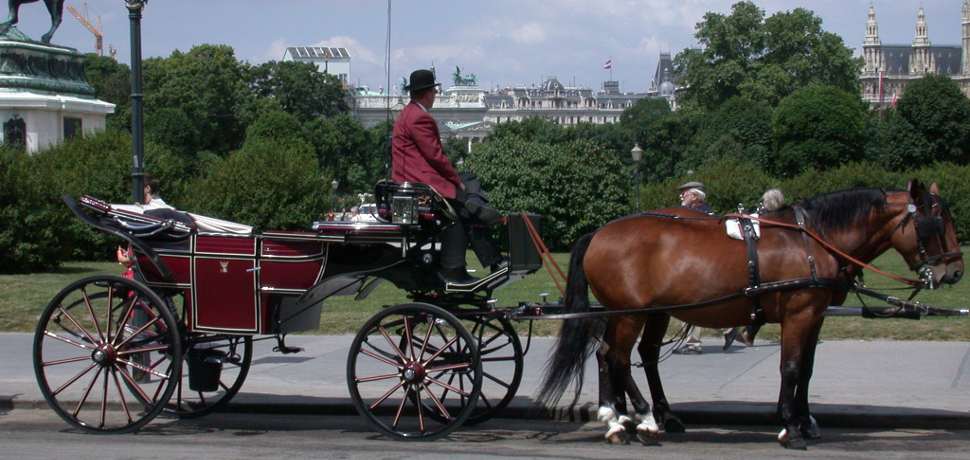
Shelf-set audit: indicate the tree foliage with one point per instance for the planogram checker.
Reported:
(817, 127)
(745, 54)
(299, 88)
(577, 186)
(939, 114)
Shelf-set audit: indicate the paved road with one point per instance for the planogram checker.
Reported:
(29, 434)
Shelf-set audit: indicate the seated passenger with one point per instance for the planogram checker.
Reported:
(417, 156)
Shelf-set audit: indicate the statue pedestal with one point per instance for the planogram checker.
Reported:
(44, 98)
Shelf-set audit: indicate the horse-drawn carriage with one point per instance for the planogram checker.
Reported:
(112, 353)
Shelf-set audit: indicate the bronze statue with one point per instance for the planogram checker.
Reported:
(55, 7)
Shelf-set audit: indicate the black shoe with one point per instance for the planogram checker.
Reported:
(730, 337)
(503, 262)
(457, 276)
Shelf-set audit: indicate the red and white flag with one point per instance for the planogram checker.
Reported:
(893, 102)
(608, 64)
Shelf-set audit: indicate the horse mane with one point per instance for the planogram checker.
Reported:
(834, 211)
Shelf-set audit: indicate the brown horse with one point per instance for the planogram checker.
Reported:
(682, 257)
(54, 7)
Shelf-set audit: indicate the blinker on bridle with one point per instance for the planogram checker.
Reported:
(927, 228)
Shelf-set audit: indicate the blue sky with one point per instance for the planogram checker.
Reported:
(504, 42)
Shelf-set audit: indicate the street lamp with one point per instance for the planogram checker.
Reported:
(636, 153)
(333, 195)
(137, 121)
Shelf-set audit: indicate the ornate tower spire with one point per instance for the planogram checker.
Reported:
(871, 51)
(922, 39)
(872, 27)
(966, 37)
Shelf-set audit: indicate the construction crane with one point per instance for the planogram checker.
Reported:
(97, 31)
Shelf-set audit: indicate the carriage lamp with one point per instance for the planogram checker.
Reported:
(636, 153)
(403, 206)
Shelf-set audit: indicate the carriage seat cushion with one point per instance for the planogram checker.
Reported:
(211, 224)
(733, 228)
(200, 222)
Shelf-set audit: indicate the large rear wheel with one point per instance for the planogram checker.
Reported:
(401, 360)
(230, 355)
(107, 353)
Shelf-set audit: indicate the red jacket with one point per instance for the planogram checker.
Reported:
(416, 154)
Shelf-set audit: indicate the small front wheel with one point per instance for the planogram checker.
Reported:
(107, 354)
(414, 372)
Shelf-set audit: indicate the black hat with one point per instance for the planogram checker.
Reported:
(421, 79)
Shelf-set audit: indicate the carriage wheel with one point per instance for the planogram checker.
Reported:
(398, 364)
(502, 363)
(236, 355)
(103, 354)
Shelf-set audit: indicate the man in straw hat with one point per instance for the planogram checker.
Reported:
(417, 156)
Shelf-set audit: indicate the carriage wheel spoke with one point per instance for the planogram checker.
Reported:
(397, 350)
(124, 318)
(223, 385)
(437, 403)
(94, 318)
(139, 331)
(400, 407)
(201, 398)
(495, 379)
(77, 325)
(143, 350)
(438, 353)
(87, 392)
(104, 400)
(499, 358)
(427, 336)
(144, 369)
(379, 358)
(121, 394)
(145, 400)
(66, 360)
(417, 402)
(387, 395)
(378, 377)
(74, 379)
(108, 315)
(178, 396)
(407, 337)
(484, 400)
(445, 385)
(449, 367)
(67, 340)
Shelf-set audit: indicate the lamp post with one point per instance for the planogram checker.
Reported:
(636, 153)
(333, 195)
(137, 123)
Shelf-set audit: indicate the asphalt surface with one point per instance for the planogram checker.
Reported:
(923, 385)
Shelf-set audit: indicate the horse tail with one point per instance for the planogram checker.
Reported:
(568, 360)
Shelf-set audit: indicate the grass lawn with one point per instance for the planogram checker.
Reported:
(23, 297)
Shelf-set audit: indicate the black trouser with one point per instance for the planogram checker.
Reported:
(455, 239)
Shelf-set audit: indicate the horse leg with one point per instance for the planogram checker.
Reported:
(653, 334)
(11, 17)
(56, 9)
(809, 426)
(607, 413)
(798, 329)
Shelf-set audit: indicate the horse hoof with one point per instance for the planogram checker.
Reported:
(649, 438)
(810, 429)
(618, 438)
(791, 442)
(672, 424)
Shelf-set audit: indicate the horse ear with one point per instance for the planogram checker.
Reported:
(935, 189)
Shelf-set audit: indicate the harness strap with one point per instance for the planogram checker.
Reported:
(754, 273)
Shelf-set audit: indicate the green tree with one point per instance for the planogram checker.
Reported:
(299, 88)
(639, 119)
(739, 129)
(275, 126)
(940, 114)
(817, 127)
(577, 186)
(209, 85)
(112, 83)
(744, 54)
(171, 127)
(345, 148)
(266, 184)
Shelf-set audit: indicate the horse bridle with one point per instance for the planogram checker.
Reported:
(928, 228)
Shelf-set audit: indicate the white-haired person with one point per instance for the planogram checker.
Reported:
(693, 196)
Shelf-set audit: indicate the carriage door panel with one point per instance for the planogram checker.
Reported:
(225, 280)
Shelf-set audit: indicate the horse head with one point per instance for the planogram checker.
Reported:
(926, 237)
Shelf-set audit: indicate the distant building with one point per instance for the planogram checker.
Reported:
(333, 61)
(888, 69)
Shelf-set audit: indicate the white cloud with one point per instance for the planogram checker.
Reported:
(529, 33)
(276, 50)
